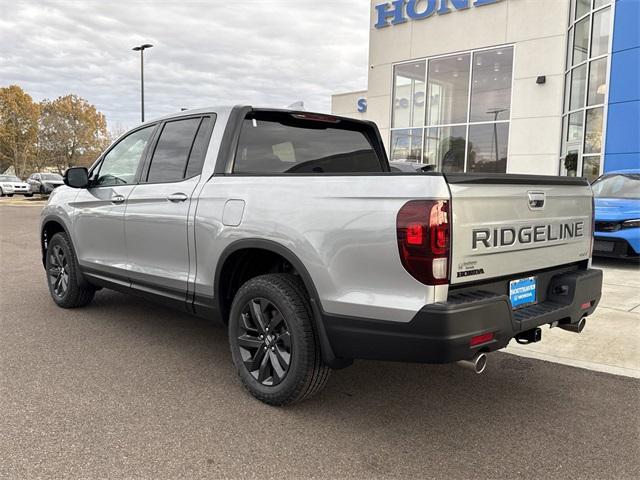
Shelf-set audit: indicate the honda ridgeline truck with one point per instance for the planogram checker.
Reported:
(291, 229)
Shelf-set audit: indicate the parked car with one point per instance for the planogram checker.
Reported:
(291, 229)
(11, 185)
(617, 202)
(44, 183)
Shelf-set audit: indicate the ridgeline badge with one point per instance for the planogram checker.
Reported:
(400, 11)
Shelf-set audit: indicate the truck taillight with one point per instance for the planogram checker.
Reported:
(422, 227)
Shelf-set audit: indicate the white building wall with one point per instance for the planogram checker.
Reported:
(537, 29)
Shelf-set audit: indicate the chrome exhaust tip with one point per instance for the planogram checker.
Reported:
(574, 327)
(477, 364)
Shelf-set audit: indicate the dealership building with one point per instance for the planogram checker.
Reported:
(518, 86)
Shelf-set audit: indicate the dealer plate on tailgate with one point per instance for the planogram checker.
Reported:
(522, 292)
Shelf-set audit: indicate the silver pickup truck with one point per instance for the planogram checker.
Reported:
(291, 229)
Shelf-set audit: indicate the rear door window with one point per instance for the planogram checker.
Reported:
(171, 154)
(285, 143)
(199, 150)
(180, 150)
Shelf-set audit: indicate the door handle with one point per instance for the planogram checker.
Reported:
(177, 197)
(118, 199)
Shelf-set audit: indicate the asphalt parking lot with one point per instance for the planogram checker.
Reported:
(128, 389)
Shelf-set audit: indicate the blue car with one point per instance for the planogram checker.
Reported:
(617, 201)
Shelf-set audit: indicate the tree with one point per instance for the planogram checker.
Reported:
(72, 132)
(18, 129)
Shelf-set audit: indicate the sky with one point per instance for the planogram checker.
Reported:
(257, 52)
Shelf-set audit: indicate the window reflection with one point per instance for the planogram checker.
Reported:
(601, 32)
(574, 132)
(409, 94)
(589, 35)
(491, 85)
(591, 167)
(581, 41)
(593, 131)
(488, 148)
(582, 8)
(442, 139)
(597, 82)
(578, 82)
(601, 3)
(448, 90)
(445, 148)
(406, 145)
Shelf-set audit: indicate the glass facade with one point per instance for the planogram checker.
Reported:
(589, 39)
(453, 112)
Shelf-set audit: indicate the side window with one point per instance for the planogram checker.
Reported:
(121, 163)
(199, 150)
(169, 161)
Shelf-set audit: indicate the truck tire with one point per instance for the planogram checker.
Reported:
(62, 270)
(273, 340)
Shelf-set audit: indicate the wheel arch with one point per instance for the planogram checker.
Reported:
(232, 254)
(51, 225)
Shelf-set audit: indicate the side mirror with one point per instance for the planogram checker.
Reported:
(76, 177)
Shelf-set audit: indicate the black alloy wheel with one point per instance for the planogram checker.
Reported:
(273, 340)
(58, 271)
(67, 287)
(265, 341)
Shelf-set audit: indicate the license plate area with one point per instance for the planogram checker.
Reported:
(523, 292)
(603, 246)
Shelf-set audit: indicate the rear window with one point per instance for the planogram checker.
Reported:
(278, 142)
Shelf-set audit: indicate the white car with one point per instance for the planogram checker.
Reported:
(10, 185)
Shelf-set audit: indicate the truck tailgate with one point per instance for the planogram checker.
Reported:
(512, 224)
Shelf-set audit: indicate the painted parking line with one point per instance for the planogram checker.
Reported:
(573, 362)
(40, 202)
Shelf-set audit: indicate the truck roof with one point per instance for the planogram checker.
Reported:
(224, 110)
(221, 109)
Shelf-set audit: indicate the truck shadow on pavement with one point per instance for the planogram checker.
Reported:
(384, 414)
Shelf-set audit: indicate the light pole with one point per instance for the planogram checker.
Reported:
(141, 49)
(496, 112)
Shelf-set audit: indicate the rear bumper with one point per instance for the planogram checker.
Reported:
(441, 332)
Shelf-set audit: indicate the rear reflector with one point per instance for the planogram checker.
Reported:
(480, 339)
(422, 228)
(584, 306)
